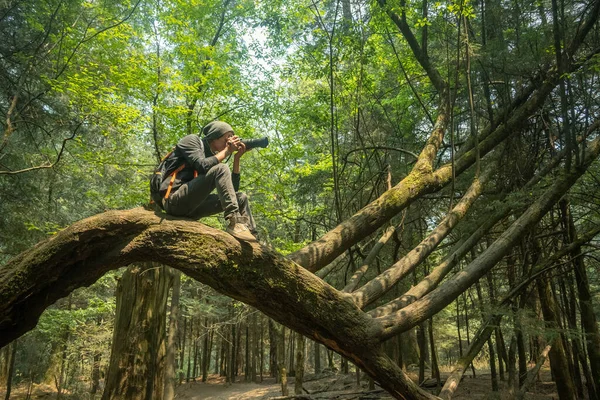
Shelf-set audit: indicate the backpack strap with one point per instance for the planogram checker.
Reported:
(173, 175)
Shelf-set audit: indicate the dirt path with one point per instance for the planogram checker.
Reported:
(216, 389)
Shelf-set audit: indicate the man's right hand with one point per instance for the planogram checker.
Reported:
(233, 144)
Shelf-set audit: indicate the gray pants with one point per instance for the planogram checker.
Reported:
(194, 199)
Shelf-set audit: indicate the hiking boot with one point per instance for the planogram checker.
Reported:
(239, 230)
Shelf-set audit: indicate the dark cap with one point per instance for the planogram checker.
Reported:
(215, 129)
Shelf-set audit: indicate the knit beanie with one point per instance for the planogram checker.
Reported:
(215, 129)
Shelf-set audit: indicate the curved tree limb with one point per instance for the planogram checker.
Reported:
(83, 252)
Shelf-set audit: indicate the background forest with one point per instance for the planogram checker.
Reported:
(500, 96)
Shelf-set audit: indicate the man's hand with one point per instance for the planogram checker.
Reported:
(236, 159)
(240, 151)
(233, 144)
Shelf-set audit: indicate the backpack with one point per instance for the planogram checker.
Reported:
(166, 167)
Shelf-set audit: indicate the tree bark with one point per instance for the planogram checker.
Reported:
(558, 359)
(12, 355)
(588, 315)
(136, 368)
(300, 357)
(317, 357)
(170, 363)
(281, 370)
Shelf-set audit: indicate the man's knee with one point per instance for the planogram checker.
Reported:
(221, 169)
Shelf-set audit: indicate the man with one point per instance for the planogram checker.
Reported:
(201, 170)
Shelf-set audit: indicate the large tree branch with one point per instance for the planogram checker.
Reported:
(436, 300)
(81, 253)
(434, 278)
(380, 285)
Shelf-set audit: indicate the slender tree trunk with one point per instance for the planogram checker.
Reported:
(170, 363)
(460, 347)
(273, 346)
(586, 307)
(568, 297)
(262, 344)
(206, 351)
(291, 351)
(188, 374)
(12, 355)
(491, 350)
(281, 370)
(502, 356)
(464, 296)
(422, 352)
(222, 368)
(232, 353)
(247, 361)
(317, 357)
(502, 353)
(238, 350)
(435, 370)
(558, 359)
(255, 347)
(300, 357)
(182, 354)
(511, 367)
(196, 351)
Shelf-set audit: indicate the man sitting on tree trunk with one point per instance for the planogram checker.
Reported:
(202, 170)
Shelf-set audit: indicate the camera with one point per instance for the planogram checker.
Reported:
(252, 143)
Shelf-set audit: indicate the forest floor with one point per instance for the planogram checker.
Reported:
(344, 387)
(319, 387)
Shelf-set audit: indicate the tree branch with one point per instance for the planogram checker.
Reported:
(46, 166)
(436, 300)
(400, 21)
(380, 285)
